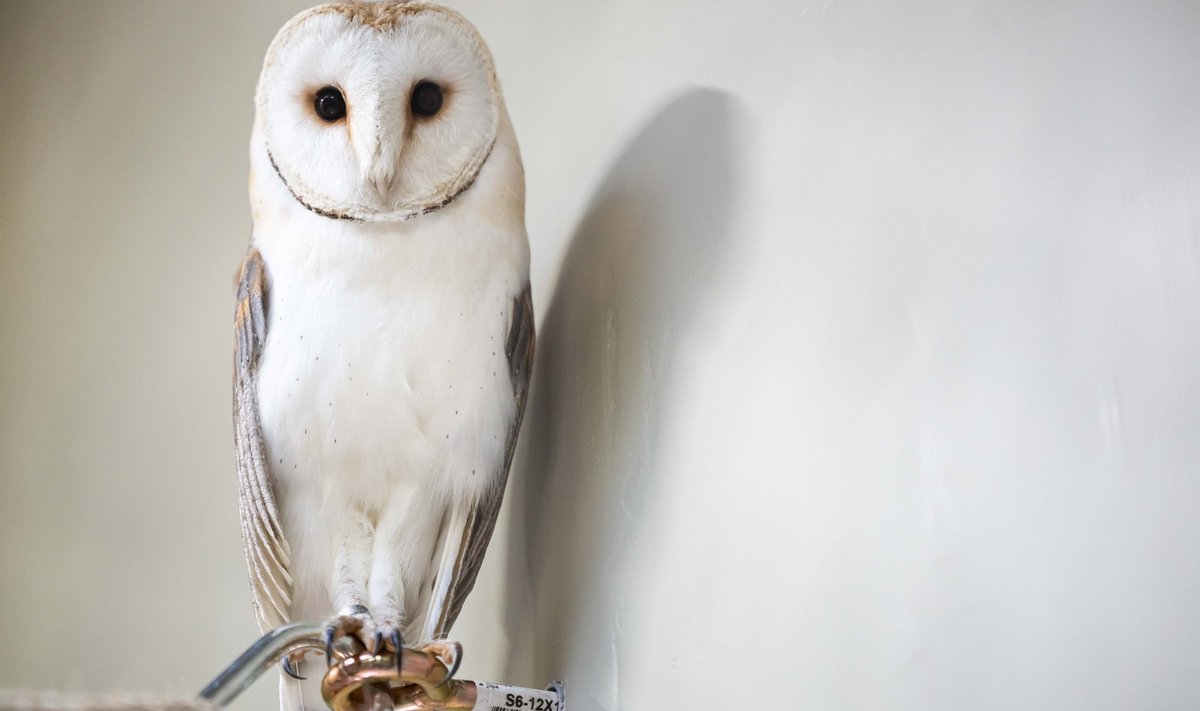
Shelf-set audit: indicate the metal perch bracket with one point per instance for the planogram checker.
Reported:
(421, 682)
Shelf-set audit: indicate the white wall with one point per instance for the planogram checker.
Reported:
(869, 357)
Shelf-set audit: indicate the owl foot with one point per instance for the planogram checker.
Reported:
(349, 623)
(389, 636)
(448, 653)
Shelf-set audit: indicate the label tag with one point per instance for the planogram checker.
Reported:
(497, 697)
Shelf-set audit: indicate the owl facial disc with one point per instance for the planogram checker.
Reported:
(378, 112)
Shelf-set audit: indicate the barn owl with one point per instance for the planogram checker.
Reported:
(384, 328)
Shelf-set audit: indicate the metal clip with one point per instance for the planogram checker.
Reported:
(426, 668)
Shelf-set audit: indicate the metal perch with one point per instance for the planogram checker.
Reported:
(421, 682)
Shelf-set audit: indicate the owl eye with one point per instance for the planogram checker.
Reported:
(329, 104)
(426, 98)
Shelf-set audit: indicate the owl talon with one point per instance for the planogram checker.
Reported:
(448, 653)
(286, 665)
(398, 643)
(350, 625)
(454, 669)
(330, 631)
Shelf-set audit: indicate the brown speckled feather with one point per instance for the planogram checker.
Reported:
(482, 519)
(267, 553)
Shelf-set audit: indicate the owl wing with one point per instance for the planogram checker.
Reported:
(469, 530)
(267, 553)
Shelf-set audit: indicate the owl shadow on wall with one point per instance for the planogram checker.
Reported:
(646, 254)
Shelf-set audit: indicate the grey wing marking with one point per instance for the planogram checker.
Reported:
(481, 520)
(267, 553)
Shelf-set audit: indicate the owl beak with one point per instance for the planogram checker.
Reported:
(378, 141)
(381, 175)
(382, 180)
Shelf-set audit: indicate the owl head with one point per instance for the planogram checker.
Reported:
(378, 112)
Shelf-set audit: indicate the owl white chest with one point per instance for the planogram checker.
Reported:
(384, 376)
